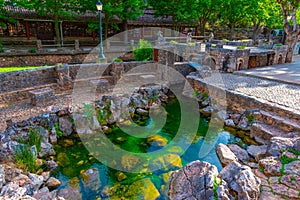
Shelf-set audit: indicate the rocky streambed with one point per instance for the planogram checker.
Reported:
(51, 156)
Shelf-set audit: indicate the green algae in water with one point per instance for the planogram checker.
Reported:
(113, 184)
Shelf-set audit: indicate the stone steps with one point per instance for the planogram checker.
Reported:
(283, 124)
(262, 133)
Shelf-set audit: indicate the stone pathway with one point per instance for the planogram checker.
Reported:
(289, 73)
(283, 94)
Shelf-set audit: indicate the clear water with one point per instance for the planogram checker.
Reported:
(77, 159)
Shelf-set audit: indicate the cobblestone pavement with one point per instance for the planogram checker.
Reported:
(272, 91)
(289, 73)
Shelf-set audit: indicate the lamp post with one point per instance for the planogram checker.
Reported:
(101, 57)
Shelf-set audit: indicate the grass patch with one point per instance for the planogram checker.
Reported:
(173, 42)
(12, 69)
(204, 96)
(26, 159)
(261, 169)
(57, 130)
(241, 47)
(217, 183)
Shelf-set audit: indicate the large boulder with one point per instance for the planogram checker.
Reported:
(242, 180)
(194, 181)
(257, 151)
(225, 155)
(292, 168)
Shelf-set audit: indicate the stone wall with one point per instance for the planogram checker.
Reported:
(52, 58)
(239, 103)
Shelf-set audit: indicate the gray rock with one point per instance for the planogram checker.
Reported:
(241, 179)
(44, 133)
(257, 151)
(91, 180)
(65, 125)
(292, 168)
(141, 111)
(277, 144)
(70, 193)
(244, 123)
(51, 164)
(229, 122)
(206, 102)
(53, 183)
(33, 151)
(194, 181)
(12, 191)
(297, 145)
(225, 155)
(43, 194)
(271, 166)
(206, 112)
(46, 150)
(240, 153)
(53, 136)
(36, 180)
(2, 177)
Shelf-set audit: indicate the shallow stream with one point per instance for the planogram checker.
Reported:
(80, 171)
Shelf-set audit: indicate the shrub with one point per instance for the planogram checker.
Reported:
(25, 159)
(117, 60)
(192, 43)
(173, 42)
(213, 45)
(1, 50)
(33, 50)
(278, 45)
(144, 51)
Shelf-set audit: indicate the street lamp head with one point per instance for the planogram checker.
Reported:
(99, 5)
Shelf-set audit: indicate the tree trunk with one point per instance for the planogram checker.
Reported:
(256, 31)
(56, 29)
(292, 37)
(291, 41)
(125, 26)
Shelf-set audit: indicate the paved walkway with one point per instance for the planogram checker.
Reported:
(279, 93)
(289, 73)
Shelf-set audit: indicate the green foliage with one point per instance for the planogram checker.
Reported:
(35, 138)
(88, 111)
(241, 47)
(261, 169)
(204, 96)
(192, 43)
(213, 45)
(117, 60)
(33, 50)
(144, 51)
(57, 130)
(1, 50)
(278, 45)
(293, 179)
(250, 118)
(25, 159)
(297, 153)
(224, 40)
(196, 93)
(217, 183)
(174, 42)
